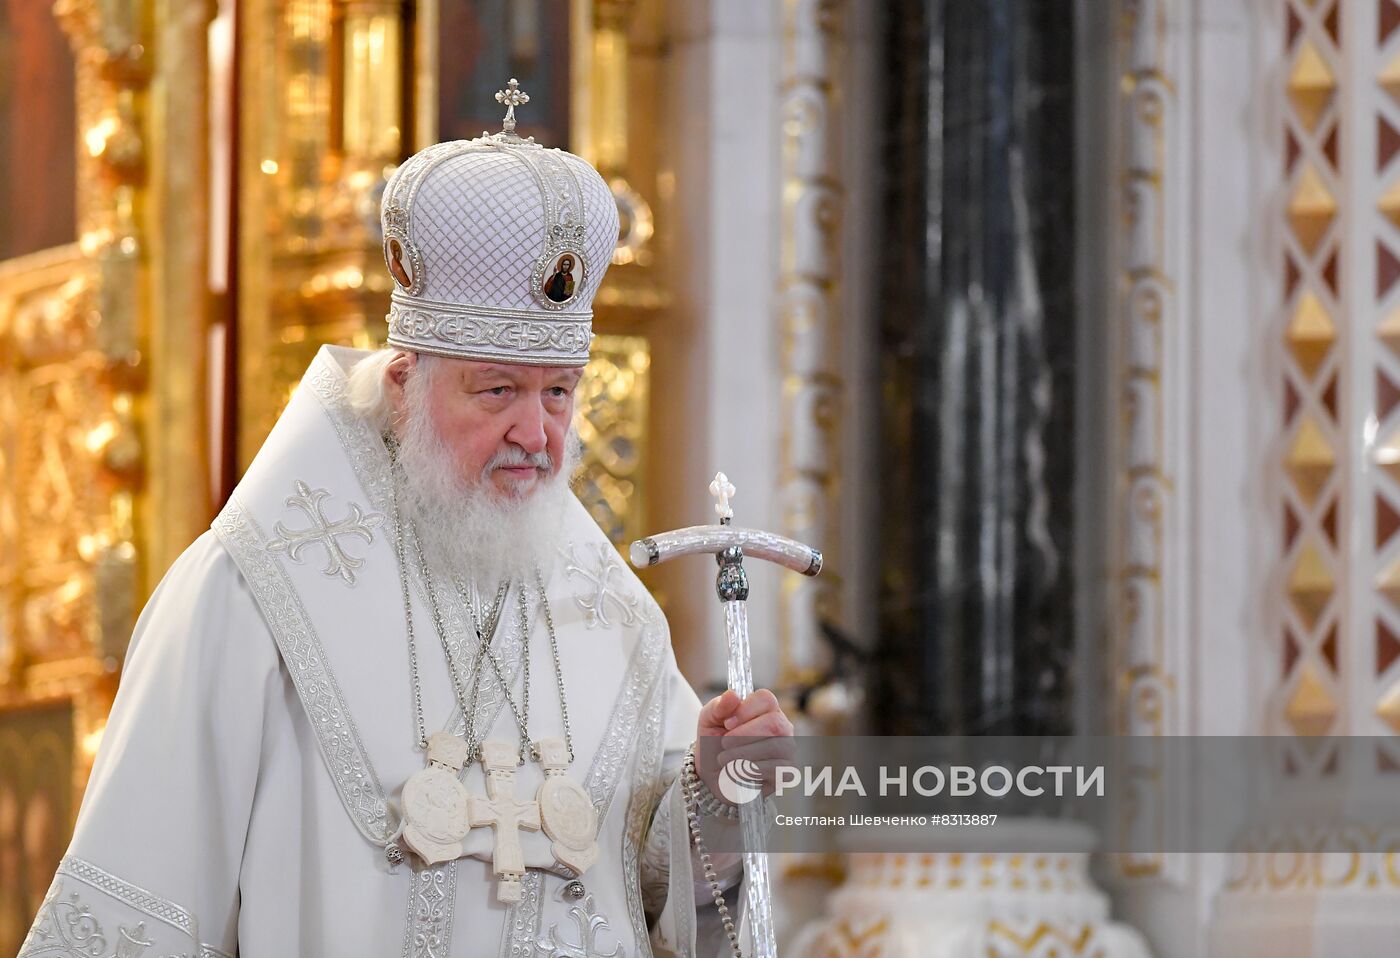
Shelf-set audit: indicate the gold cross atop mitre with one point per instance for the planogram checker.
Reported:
(512, 96)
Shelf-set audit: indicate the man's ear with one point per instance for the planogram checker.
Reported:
(396, 381)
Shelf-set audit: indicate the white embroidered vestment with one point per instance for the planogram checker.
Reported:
(249, 776)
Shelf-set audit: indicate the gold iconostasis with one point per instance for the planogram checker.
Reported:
(189, 194)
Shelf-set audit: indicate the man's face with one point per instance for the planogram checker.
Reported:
(486, 411)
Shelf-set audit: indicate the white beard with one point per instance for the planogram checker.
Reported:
(467, 529)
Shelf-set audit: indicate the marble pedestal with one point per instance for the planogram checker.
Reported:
(1017, 899)
(1301, 903)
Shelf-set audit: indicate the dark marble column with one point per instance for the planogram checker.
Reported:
(977, 341)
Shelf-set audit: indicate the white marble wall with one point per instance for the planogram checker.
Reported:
(1218, 353)
(1220, 349)
(719, 355)
(722, 350)
(1203, 236)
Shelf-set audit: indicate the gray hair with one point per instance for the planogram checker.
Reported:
(368, 392)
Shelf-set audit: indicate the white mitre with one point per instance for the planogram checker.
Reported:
(497, 247)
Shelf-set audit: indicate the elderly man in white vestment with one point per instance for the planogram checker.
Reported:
(404, 697)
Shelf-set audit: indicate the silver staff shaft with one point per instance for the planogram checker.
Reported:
(733, 589)
(732, 585)
(729, 544)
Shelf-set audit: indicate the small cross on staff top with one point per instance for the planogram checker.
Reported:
(723, 490)
(512, 96)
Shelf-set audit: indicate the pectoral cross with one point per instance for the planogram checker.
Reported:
(504, 814)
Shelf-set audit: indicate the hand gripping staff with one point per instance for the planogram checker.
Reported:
(729, 545)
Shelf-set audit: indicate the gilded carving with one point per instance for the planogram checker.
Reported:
(1042, 939)
(1146, 689)
(994, 904)
(808, 313)
(611, 417)
(854, 938)
(1311, 84)
(59, 503)
(315, 155)
(1359, 858)
(102, 337)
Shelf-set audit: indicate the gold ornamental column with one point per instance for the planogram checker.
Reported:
(322, 124)
(135, 351)
(178, 306)
(105, 466)
(614, 69)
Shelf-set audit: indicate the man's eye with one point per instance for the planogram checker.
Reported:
(498, 390)
(558, 391)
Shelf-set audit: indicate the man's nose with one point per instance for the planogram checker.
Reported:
(527, 431)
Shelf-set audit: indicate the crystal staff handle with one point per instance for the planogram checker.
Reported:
(712, 540)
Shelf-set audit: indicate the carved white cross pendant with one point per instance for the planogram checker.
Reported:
(504, 814)
(569, 819)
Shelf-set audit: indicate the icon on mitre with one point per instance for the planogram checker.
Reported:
(560, 284)
(400, 263)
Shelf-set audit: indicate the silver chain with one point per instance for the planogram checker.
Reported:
(484, 648)
(558, 668)
(483, 644)
(462, 701)
(465, 703)
(407, 605)
(554, 654)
